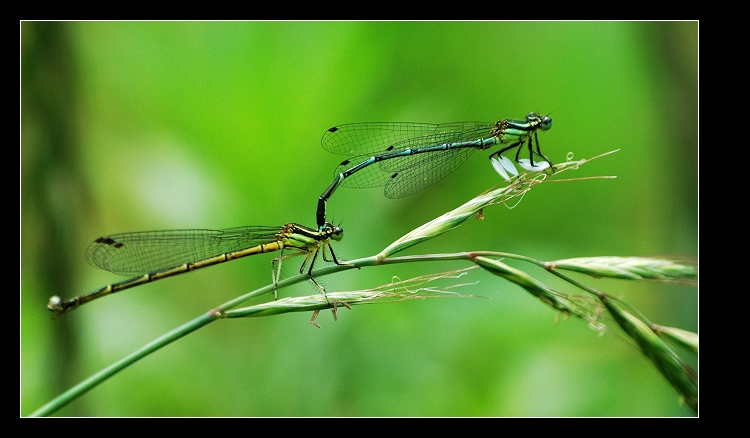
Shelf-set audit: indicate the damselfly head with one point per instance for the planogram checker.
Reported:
(336, 233)
(544, 123)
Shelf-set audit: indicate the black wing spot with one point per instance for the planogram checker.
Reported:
(109, 241)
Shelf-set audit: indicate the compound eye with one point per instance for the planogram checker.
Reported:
(546, 123)
(337, 233)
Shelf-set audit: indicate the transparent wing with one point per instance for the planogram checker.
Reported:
(424, 172)
(153, 251)
(398, 171)
(358, 139)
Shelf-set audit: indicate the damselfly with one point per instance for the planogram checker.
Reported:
(413, 156)
(153, 255)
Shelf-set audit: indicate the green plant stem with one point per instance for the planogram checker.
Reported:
(83, 387)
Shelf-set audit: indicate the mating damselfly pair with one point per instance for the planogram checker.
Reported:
(410, 157)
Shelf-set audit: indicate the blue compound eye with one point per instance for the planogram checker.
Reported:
(546, 123)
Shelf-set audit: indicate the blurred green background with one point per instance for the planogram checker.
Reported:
(134, 126)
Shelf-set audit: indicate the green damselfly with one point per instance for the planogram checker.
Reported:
(402, 149)
(153, 255)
